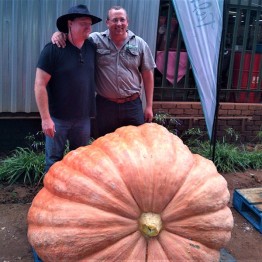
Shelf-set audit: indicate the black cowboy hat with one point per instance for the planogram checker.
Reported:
(73, 12)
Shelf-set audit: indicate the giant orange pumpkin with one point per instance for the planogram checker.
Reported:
(137, 194)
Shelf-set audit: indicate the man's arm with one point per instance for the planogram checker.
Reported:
(59, 39)
(148, 80)
(41, 80)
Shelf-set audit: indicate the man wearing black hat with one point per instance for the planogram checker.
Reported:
(65, 85)
(124, 64)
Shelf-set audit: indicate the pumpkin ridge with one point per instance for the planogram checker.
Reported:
(63, 175)
(186, 249)
(211, 238)
(108, 154)
(190, 165)
(120, 151)
(50, 241)
(57, 215)
(166, 181)
(156, 251)
(122, 250)
(213, 199)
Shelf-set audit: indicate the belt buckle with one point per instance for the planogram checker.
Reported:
(127, 99)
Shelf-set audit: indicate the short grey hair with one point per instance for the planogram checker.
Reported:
(116, 7)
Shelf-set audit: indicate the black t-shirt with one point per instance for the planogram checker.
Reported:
(71, 89)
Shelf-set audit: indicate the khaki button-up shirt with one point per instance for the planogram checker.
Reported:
(118, 70)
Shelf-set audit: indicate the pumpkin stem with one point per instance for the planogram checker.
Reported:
(150, 224)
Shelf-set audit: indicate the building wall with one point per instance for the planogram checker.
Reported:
(13, 133)
(245, 119)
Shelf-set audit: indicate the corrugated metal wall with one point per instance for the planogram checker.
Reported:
(27, 25)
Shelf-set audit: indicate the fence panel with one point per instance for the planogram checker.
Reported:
(240, 70)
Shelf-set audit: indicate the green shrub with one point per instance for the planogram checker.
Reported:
(254, 159)
(27, 165)
(167, 121)
(229, 156)
(24, 165)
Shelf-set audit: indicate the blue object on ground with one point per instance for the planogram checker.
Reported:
(36, 257)
(248, 202)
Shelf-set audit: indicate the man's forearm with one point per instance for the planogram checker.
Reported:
(42, 102)
(148, 79)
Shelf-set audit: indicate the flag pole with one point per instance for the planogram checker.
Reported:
(221, 54)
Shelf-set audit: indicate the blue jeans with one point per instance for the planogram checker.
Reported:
(111, 115)
(76, 132)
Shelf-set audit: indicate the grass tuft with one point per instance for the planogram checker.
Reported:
(24, 165)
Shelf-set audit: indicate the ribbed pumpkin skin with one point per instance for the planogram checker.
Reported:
(92, 200)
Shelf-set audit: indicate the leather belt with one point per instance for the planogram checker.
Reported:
(125, 99)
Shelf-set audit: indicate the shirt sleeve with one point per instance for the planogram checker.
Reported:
(46, 60)
(147, 62)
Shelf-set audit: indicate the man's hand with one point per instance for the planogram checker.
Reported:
(59, 39)
(148, 114)
(48, 127)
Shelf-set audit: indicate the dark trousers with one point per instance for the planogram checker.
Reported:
(111, 115)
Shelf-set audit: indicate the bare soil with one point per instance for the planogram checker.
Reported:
(245, 244)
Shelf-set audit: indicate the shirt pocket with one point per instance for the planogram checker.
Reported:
(132, 58)
(103, 56)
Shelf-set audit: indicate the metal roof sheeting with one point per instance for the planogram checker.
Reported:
(27, 25)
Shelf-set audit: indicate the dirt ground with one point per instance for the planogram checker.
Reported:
(245, 244)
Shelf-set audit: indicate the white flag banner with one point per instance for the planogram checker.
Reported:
(201, 24)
